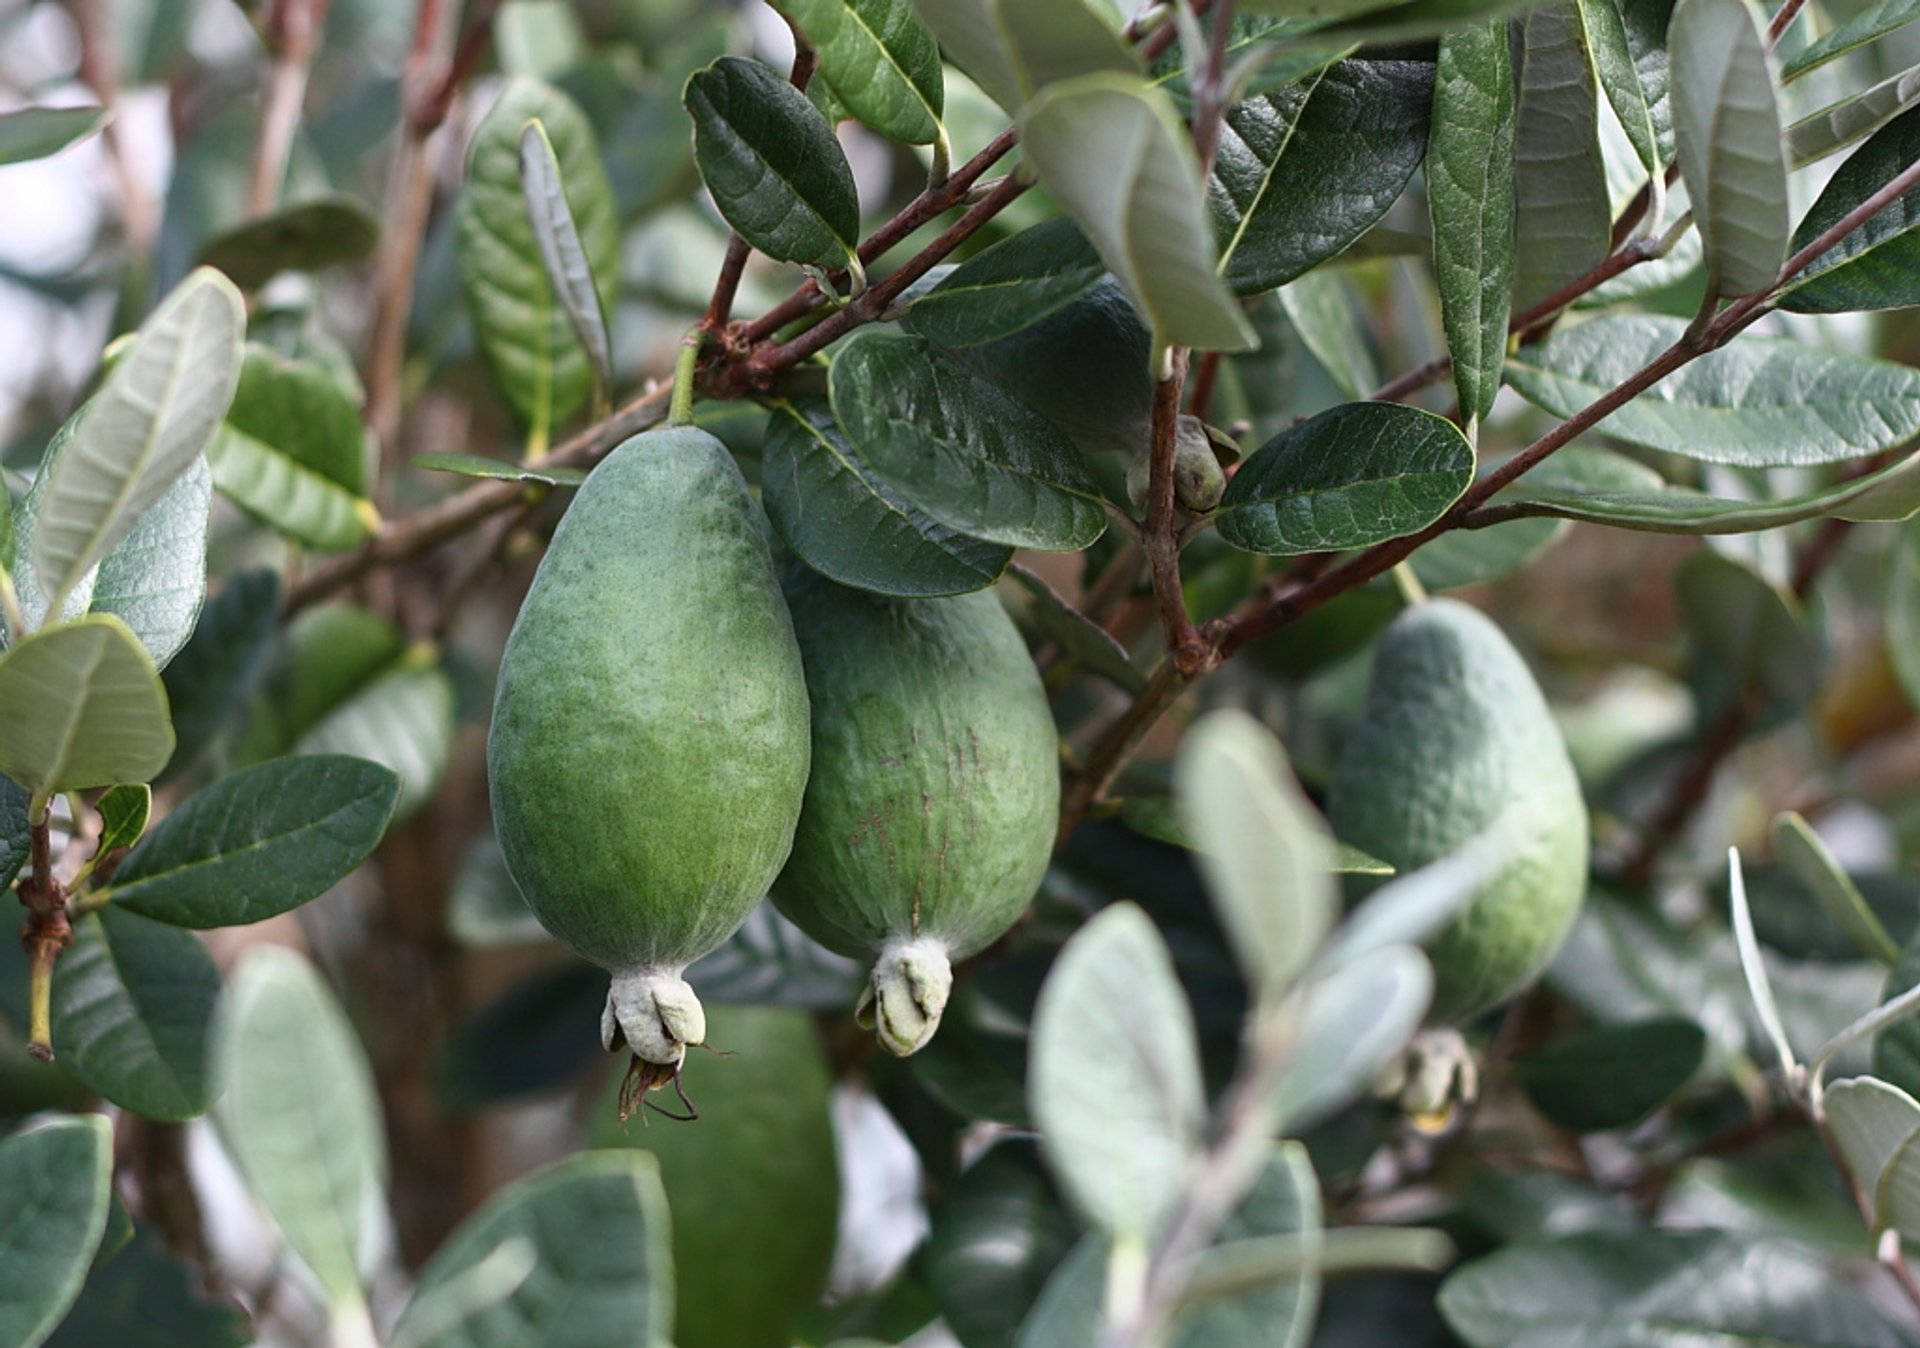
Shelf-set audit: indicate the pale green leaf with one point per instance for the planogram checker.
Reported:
(1869, 1119)
(1852, 119)
(1563, 224)
(1323, 311)
(1797, 847)
(56, 1182)
(1872, 22)
(35, 133)
(1357, 1019)
(81, 705)
(1112, 150)
(569, 269)
(1050, 41)
(972, 38)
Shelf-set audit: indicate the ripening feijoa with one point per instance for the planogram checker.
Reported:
(935, 791)
(1454, 732)
(649, 745)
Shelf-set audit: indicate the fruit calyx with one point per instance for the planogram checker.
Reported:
(653, 1012)
(908, 991)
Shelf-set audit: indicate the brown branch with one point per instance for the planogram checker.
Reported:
(46, 933)
(99, 62)
(1783, 21)
(1116, 746)
(1160, 535)
(292, 30)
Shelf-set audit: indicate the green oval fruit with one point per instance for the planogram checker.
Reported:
(649, 745)
(1455, 732)
(935, 792)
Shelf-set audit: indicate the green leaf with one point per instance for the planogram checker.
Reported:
(770, 160)
(35, 133)
(300, 1116)
(569, 270)
(1896, 1197)
(879, 60)
(15, 837)
(1008, 287)
(479, 465)
(1562, 220)
(1797, 847)
(1757, 402)
(325, 232)
(144, 1295)
(55, 1182)
(81, 706)
(1470, 201)
(996, 1238)
(522, 326)
(123, 816)
(1896, 1049)
(1114, 1074)
(1611, 1288)
(485, 910)
(1303, 172)
(1355, 475)
(1321, 309)
(1753, 631)
(156, 579)
(215, 672)
(1613, 1076)
(970, 32)
(330, 653)
(1080, 639)
(153, 415)
(1475, 556)
(1283, 1202)
(1726, 124)
(753, 1186)
(848, 524)
(1612, 47)
(1869, 1120)
(1852, 119)
(1877, 266)
(959, 449)
(132, 1000)
(1868, 24)
(1263, 850)
(292, 452)
(1652, 506)
(1357, 1019)
(1111, 149)
(258, 842)
(1051, 41)
(598, 1225)
(402, 720)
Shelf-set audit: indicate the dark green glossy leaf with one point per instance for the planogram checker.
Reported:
(1352, 476)
(1614, 1076)
(14, 835)
(259, 842)
(1608, 1290)
(35, 133)
(215, 673)
(479, 465)
(1611, 44)
(772, 164)
(311, 236)
(1470, 201)
(1010, 286)
(535, 1037)
(995, 1240)
(848, 524)
(1756, 402)
(131, 1004)
(156, 579)
(603, 1273)
(144, 1295)
(521, 325)
(81, 705)
(1562, 217)
(753, 1186)
(1877, 266)
(1114, 1074)
(569, 269)
(299, 1115)
(960, 449)
(123, 816)
(55, 1180)
(879, 60)
(1873, 21)
(1111, 149)
(1726, 124)
(1302, 173)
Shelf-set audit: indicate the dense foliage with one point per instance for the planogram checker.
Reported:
(878, 422)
